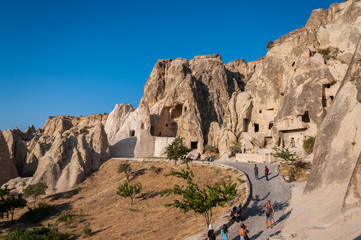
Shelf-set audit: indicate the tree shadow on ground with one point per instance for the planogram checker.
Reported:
(139, 172)
(145, 196)
(24, 222)
(67, 194)
(282, 218)
(255, 209)
(93, 233)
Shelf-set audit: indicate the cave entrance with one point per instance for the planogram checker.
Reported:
(173, 128)
(270, 125)
(306, 117)
(256, 127)
(245, 124)
(131, 133)
(194, 145)
(177, 111)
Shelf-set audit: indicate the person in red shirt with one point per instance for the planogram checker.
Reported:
(266, 171)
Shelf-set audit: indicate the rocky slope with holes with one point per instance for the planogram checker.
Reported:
(277, 100)
(60, 154)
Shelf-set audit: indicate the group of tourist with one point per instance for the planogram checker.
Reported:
(191, 157)
(266, 172)
(243, 231)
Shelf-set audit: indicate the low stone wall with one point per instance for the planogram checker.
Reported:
(253, 157)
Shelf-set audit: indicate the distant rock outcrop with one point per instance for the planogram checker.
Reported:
(7, 169)
(62, 153)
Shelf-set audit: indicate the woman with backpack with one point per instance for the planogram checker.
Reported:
(211, 235)
(225, 233)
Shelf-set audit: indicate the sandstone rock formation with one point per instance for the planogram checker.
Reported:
(7, 169)
(278, 100)
(60, 154)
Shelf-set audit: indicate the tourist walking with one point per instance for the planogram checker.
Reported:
(266, 172)
(243, 232)
(225, 233)
(256, 171)
(211, 235)
(269, 212)
(244, 148)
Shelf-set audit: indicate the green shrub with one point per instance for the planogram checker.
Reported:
(43, 233)
(308, 144)
(285, 154)
(38, 214)
(66, 217)
(126, 168)
(210, 148)
(35, 190)
(270, 45)
(234, 148)
(87, 232)
(155, 169)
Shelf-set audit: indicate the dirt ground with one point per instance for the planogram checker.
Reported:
(295, 171)
(95, 205)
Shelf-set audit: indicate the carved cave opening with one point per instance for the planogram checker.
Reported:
(270, 125)
(177, 111)
(306, 117)
(165, 124)
(131, 133)
(245, 124)
(194, 145)
(256, 127)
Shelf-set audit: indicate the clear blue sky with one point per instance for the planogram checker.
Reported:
(78, 57)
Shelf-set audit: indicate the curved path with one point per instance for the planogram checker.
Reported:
(275, 190)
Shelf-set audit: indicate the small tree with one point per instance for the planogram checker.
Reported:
(9, 203)
(176, 150)
(197, 199)
(270, 45)
(308, 144)
(35, 190)
(235, 147)
(14, 203)
(126, 168)
(129, 190)
(285, 154)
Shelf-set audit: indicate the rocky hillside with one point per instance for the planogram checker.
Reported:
(308, 84)
(60, 154)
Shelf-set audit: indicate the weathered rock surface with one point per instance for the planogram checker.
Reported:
(7, 169)
(61, 154)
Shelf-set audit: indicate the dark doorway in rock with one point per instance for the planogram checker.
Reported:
(256, 127)
(142, 126)
(173, 128)
(131, 133)
(306, 117)
(260, 111)
(160, 134)
(194, 145)
(177, 111)
(270, 125)
(331, 97)
(245, 124)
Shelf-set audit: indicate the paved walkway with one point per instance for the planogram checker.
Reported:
(275, 190)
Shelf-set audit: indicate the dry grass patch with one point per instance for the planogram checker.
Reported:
(95, 205)
(295, 171)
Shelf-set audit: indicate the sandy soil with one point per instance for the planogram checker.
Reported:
(96, 205)
(318, 216)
